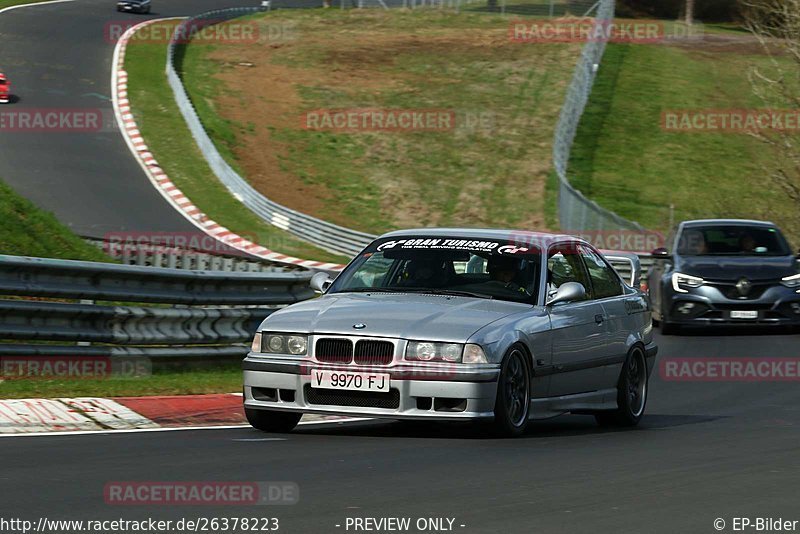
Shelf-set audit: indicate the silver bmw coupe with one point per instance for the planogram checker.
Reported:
(458, 324)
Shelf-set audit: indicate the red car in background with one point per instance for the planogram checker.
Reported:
(5, 89)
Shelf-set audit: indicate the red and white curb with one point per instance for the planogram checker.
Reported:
(157, 176)
(83, 415)
(66, 415)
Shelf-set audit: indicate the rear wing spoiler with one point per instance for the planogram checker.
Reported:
(627, 264)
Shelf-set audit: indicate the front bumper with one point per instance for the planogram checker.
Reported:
(426, 392)
(708, 305)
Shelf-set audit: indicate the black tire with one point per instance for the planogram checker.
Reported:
(513, 403)
(632, 390)
(270, 421)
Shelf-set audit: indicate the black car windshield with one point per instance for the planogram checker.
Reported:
(470, 267)
(736, 240)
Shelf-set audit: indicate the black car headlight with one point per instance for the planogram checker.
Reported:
(792, 281)
(276, 343)
(681, 283)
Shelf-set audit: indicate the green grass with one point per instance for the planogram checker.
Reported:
(171, 143)
(493, 175)
(9, 3)
(25, 230)
(224, 379)
(624, 160)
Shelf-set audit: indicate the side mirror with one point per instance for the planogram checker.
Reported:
(660, 253)
(320, 282)
(568, 292)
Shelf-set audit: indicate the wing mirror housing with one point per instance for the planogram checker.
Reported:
(320, 282)
(568, 292)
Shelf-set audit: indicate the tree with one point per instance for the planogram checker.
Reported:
(689, 12)
(776, 24)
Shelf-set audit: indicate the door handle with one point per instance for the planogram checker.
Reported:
(599, 319)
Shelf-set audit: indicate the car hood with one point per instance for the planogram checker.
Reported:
(397, 315)
(733, 268)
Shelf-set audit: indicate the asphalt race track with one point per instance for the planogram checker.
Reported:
(59, 56)
(705, 450)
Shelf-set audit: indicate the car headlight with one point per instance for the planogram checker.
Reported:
(274, 343)
(430, 351)
(792, 281)
(680, 282)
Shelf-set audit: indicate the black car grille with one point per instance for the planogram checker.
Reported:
(373, 352)
(334, 350)
(728, 288)
(367, 351)
(755, 292)
(359, 399)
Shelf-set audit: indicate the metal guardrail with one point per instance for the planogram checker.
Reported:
(127, 325)
(328, 236)
(202, 327)
(575, 211)
(67, 279)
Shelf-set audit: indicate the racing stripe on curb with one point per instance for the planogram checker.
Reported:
(157, 176)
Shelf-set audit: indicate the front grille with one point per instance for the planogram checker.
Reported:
(359, 399)
(755, 292)
(374, 352)
(334, 350)
(728, 289)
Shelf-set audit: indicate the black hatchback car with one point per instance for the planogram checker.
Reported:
(134, 6)
(725, 271)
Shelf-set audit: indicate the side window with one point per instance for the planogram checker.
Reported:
(605, 282)
(564, 265)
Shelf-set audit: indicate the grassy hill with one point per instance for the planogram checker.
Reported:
(25, 230)
(623, 159)
(490, 169)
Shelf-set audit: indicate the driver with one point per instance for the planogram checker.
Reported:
(504, 270)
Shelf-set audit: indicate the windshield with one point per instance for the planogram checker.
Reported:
(469, 267)
(732, 240)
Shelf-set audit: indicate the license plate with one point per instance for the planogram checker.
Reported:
(349, 381)
(744, 314)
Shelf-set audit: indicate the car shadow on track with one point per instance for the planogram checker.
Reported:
(570, 425)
